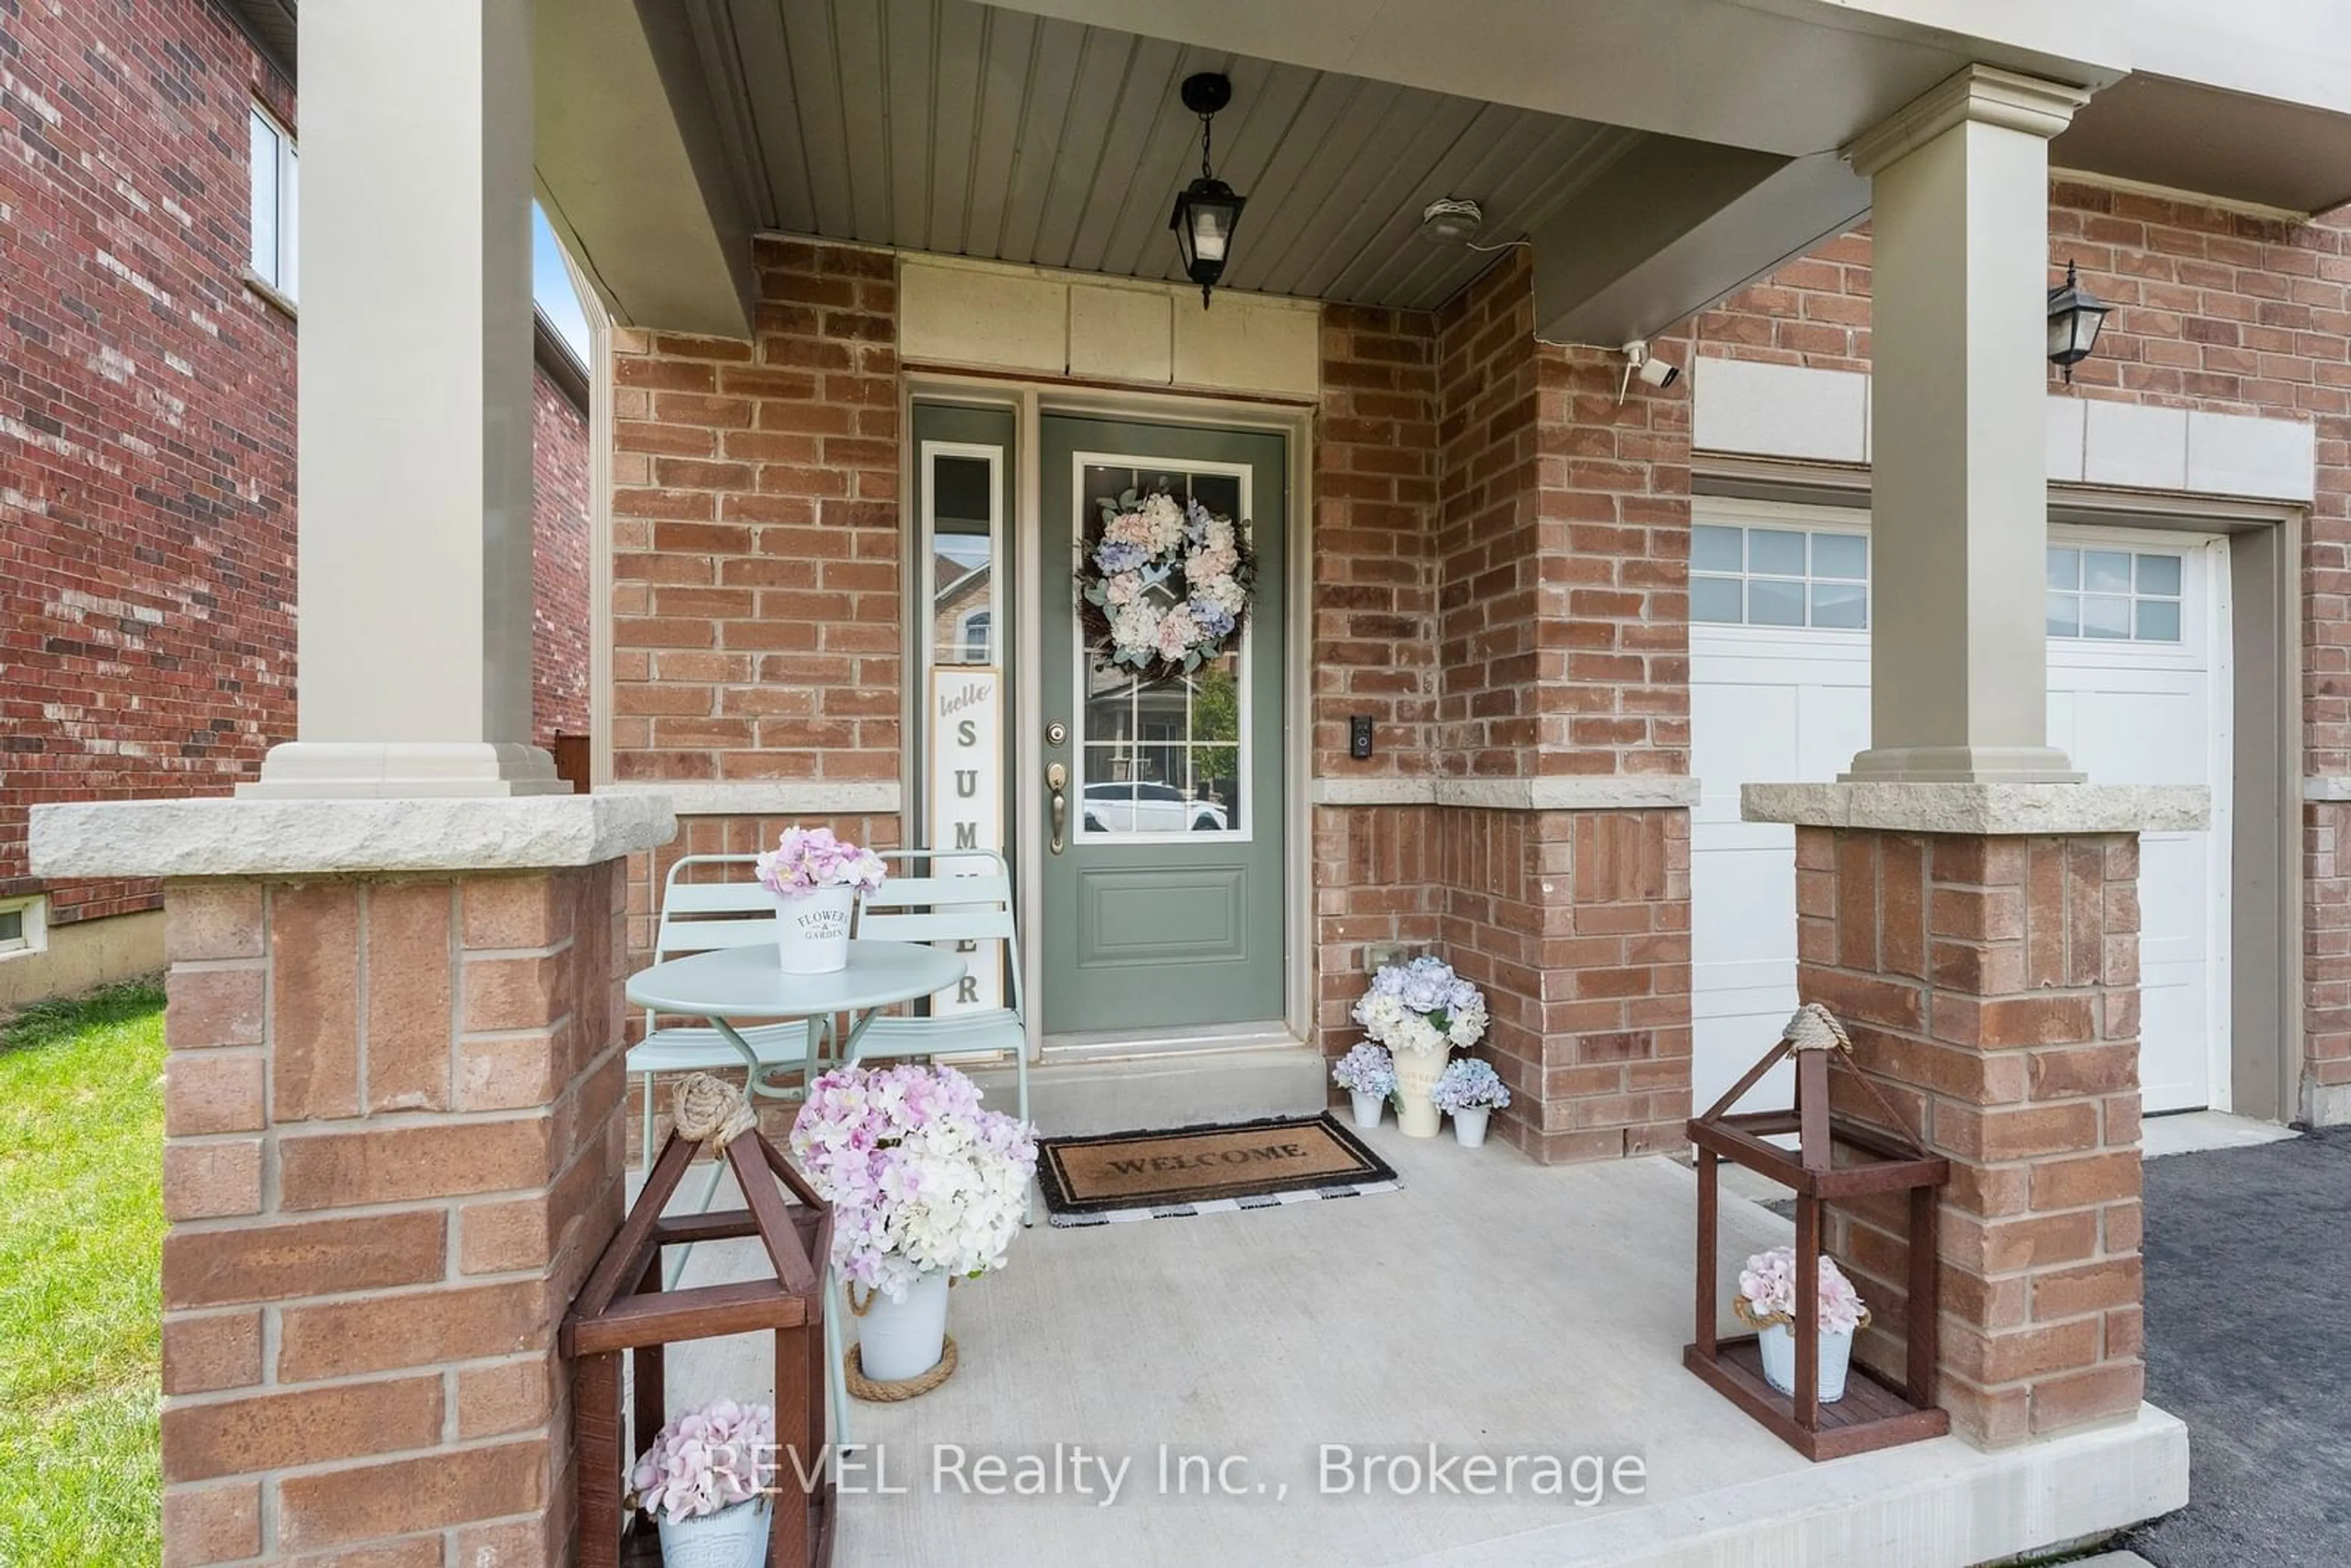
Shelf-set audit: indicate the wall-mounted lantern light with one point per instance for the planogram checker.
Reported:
(1207, 210)
(2074, 317)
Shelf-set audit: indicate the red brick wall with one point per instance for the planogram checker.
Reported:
(560, 563)
(755, 534)
(2221, 312)
(146, 422)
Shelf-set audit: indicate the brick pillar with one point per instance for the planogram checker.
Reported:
(1990, 983)
(391, 1150)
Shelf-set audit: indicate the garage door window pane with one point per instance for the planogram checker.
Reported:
(1771, 602)
(2065, 569)
(2064, 616)
(1840, 555)
(1714, 598)
(2105, 572)
(1839, 604)
(2159, 621)
(1775, 552)
(2103, 616)
(1715, 549)
(2159, 574)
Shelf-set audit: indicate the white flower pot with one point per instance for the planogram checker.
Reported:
(1470, 1125)
(1367, 1107)
(1779, 1345)
(1416, 1073)
(734, 1537)
(812, 930)
(899, 1340)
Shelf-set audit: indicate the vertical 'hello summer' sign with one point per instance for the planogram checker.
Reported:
(966, 807)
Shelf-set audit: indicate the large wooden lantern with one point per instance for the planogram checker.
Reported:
(622, 1309)
(1835, 1158)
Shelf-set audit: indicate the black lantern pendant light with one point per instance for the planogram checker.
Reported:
(1207, 210)
(2074, 317)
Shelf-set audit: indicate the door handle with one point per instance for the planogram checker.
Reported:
(1057, 780)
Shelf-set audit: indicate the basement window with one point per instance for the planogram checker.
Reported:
(277, 201)
(22, 928)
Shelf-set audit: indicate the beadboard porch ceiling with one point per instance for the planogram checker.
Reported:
(953, 127)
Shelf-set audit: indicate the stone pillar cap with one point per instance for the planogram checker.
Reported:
(1991, 809)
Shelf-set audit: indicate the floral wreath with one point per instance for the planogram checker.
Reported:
(1164, 585)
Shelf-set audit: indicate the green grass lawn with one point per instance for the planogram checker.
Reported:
(82, 1238)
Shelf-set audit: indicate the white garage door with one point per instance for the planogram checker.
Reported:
(1779, 691)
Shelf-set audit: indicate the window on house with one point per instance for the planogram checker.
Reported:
(20, 927)
(1778, 577)
(276, 184)
(2115, 595)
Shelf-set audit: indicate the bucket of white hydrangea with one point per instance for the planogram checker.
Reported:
(1766, 1302)
(1423, 1012)
(817, 880)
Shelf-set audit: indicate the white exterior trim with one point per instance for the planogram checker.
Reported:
(1794, 412)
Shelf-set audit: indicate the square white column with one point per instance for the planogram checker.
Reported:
(1959, 660)
(414, 566)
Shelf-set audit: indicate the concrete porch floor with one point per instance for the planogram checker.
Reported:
(1493, 1307)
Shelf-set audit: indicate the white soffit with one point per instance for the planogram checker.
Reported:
(1750, 408)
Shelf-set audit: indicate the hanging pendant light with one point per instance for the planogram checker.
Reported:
(2074, 317)
(1207, 210)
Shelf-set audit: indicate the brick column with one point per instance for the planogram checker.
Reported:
(391, 1152)
(1991, 983)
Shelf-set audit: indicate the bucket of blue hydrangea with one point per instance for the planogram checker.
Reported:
(1422, 1012)
(1469, 1091)
(1368, 1076)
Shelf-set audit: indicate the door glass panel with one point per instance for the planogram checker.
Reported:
(964, 531)
(1160, 754)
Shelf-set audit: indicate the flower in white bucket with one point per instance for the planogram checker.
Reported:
(921, 1179)
(1422, 1011)
(809, 860)
(1469, 1091)
(817, 880)
(1367, 1072)
(1767, 1302)
(701, 1483)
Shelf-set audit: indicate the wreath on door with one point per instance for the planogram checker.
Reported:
(1164, 585)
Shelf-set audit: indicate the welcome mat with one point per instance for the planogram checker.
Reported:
(1111, 1177)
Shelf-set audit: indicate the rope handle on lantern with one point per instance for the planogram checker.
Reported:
(710, 1111)
(1813, 1027)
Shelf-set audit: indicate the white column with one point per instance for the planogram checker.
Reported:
(1959, 663)
(415, 572)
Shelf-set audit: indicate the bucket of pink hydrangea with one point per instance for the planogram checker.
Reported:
(927, 1187)
(817, 880)
(1423, 1012)
(1766, 1302)
(701, 1483)
(1367, 1072)
(1469, 1091)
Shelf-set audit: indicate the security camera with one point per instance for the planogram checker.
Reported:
(1638, 361)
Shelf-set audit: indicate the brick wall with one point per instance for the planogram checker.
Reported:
(390, 1156)
(755, 535)
(560, 563)
(1991, 985)
(146, 422)
(2222, 311)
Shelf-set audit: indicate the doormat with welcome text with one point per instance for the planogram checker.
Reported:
(1111, 1177)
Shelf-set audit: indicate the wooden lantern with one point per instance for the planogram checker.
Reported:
(623, 1309)
(1875, 1413)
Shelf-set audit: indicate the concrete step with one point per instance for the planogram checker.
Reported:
(1176, 1089)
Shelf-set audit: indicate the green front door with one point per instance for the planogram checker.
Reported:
(1163, 893)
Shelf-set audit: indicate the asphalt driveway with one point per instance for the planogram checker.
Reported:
(2248, 1342)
